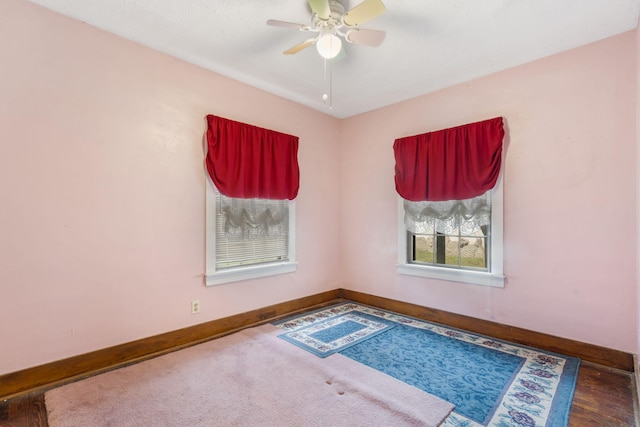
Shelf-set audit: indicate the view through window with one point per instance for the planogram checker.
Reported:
(466, 251)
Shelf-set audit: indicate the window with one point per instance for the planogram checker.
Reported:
(253, 178)
(464, 252)
(248, 238)
(450, 233)
(450, 208)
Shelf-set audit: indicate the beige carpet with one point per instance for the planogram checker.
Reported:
(251, 378)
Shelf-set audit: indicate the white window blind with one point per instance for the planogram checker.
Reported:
(250, 231)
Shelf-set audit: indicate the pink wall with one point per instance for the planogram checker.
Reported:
(638, 199)
(102, 222)
(101, 164)
(570, 195)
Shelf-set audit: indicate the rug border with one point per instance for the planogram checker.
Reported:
(571, 367)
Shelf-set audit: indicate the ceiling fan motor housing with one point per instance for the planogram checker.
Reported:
(337, 10)
(333, 23)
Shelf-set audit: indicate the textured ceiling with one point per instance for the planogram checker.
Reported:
(430, 44)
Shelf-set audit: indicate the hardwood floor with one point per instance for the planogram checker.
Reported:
(603, 397)
(27, 410)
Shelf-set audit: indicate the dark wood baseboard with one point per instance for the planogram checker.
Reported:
(84, 365)
(71, 369)
(593, 353)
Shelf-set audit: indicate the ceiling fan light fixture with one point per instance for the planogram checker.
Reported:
(329, 46)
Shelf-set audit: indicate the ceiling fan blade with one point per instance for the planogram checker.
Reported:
(366, 37)
(320, 8)
(276, 23)
(297, 48)
(365, 11)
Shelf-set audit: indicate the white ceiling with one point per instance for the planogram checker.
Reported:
(430, 44)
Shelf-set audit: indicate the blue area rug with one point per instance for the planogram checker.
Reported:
(491, 382)
(326, 336)
(469, 376)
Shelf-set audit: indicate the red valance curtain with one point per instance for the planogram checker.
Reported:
(451, 164)
(246, 161)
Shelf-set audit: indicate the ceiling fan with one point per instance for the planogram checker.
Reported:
(331, 22)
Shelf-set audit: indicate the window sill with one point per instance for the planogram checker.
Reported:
(464, 276)
(251, 272)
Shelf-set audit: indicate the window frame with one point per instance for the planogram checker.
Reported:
(494, 277)
(246, 272)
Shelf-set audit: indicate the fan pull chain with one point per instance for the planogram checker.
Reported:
(329, 96)
(330, 87)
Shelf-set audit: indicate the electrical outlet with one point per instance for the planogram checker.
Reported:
(195, 307)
